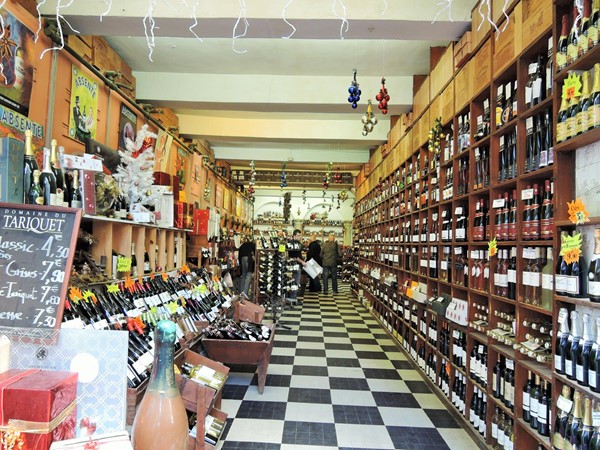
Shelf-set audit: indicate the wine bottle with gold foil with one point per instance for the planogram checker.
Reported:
(573, 39)
(587, 430)
(29, 166)
(562, 44)
(574, 424)
(560, 424)
(595, 96)
(584, 113)
(561, 121)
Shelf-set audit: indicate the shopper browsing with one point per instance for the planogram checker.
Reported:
(295, 252)
(330, 253)
(314, 252)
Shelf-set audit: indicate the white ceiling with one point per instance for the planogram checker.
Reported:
(264, 97)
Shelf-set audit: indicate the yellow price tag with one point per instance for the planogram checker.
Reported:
(281, 248)
(570, 248)
(572, 87)
(87, 294)
(123, 264)
(493, 247)
(75, 294)
(173, 306)
(165, 277)
(112, 288)
(202, 288)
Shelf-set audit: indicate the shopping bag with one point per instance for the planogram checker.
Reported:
(227, 279)
(312, 268)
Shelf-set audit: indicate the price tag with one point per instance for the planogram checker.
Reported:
(281, 248)
(564, 404)
(501, 141)
(480, 350)
(455, 334)
(527, 194)
(123, 264)
(596, 418)
(562, 315)
(475, 254)
(498, 203)
(458, 250)
(510, 364)
(529, 253)
(459, 209)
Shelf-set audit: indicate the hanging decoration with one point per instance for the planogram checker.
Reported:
(343, 196)
(207, 190)
(337, 177)
(298, 212)
(312, 217)
(324, 216)
(383, 98)
(304, 196)
(287, 206)
(327, 178)
(345, 24)
(283, 177)
(369, 120)
(241, 18)
(436, 136)
(136, 170)
(354, 91)
(252, 181)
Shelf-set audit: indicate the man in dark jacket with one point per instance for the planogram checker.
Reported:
(314, 252)
(330, 252)
(246, 257)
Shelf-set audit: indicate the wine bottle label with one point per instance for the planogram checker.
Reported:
(592, 378)
(526, 399)
(557, 363)
(572, 284)
(561, 131)
(494, 430)
(592, 36)
(508, 444)
(547, 281)
(568, 366)
(594, 288)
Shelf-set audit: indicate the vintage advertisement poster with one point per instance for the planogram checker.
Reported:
(127, 126)
(84, 106)
(16, 64)
(196, 185)
(164, 141)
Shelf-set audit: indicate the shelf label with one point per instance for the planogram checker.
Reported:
(458, 250)
(510, 364)
(527, 194)
(564, 404)
(570, 247)
(529, 253)
(459, 210)
(596, 418)
(498, 203)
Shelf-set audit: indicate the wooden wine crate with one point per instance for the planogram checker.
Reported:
(482, 68)
(447, 103)
(463, 88)
(442, 72)
(425, 127)
(406, 146)
(395, 134)
(421, 98)
(536, 18)
(497, 14)
(480, 26)
(462, 50)
(79, 46)
(507, 42)
(198, 443)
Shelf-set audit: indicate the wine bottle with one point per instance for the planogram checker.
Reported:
(583, 353)
(560, 424)
(134, 269)
(572, 347)
(76, 197)
(58, 174)
(584, 43)
(577, 284)
(561, 121)
(596, 97)
(527, 397)
(572, 115)
(562, 273)
(512, 274)
(547, 212)
(509, 436)
(584, 111)
(562, 44)
(572, 42)
(593, 275)
(573, 431)
(495, 421)
(547, 280)
(29, 166)
(48, 180)
(35, 196)
(594, 23)
(587, 430)
(543, 427)
(594, 371)
(560, 347)
(549, 69)
(534, 402)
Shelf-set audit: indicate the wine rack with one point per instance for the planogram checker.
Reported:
(500, 175)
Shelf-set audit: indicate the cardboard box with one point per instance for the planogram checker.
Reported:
(36, 399)
(11, 170)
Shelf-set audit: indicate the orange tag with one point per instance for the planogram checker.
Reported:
(165, 277)
(75, 294)
(152, 275)
(185, 269)
(577, 212)
(493, 247)
(129, 283)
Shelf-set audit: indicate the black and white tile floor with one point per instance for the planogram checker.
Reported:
(336, 381)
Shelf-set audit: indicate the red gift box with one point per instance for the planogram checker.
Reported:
(40, 404)
(201, 217)
(179, 215)
(175, 184)
(162, 179)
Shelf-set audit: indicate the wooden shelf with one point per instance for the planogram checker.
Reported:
(579, 141)
(544, 440)
(573, 383)
(574, 301)
(498, 402)
(586, 62)
(544, 371)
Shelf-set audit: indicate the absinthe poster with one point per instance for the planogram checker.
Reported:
(127, 126)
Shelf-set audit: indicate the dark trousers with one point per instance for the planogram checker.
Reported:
(330, 270)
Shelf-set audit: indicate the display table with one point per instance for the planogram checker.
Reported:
(243, 352)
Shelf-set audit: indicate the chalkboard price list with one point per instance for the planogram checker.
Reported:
(36, 248)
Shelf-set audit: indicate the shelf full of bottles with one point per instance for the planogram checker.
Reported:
(430, 222)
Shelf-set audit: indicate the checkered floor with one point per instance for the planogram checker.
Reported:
(336, 381)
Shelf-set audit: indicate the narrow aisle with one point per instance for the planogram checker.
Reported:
(336, 381)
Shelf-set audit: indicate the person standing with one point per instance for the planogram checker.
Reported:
(295, 252)
(314, 252)
(246, 257)
(330, 252)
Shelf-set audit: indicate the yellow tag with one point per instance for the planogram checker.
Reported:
(165, 277)
(123, 264)
(572, 87)
(112, 288)
(152, 275)
(570, 247)
(183, 302)
(577, 212)
(173, 306)
(87, 294)
(176, 369)
(493, 247)
(202, 288)
(281, 248)
(153, 310)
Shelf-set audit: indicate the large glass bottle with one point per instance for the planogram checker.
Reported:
(574, 424)
(562, 339)
(29, 165)
(594, 370)
(61, 189)
(48, 180)
(560, 425)
(593, 277)
(583, 352)
(161, 421)
(586, 432)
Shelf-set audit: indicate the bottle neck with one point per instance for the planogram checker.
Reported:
(28, 144)
(575, 325)
(587, 413)
(162, 378)
(46, 166)
(586, 329)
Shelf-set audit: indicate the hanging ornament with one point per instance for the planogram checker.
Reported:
(304, 196)
(280, 202)
(313, 216)
(383, 98)
(298, 213)
(327, 177)
(354, 91)
(287, 206)
(343, 196)
(337, 177)
(369, 120)
(252, 181)
(283, 176)
(207, 190)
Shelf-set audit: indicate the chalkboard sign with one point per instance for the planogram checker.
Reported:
(37, 244)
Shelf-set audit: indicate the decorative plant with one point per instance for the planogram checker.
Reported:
(436, 136)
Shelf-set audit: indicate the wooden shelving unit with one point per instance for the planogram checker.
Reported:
(389, 215)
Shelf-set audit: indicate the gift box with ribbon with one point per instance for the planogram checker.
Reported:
(40, 405)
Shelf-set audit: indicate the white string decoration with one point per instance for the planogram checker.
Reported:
(193, 16)
(579, 6)
(448, 7)
(505, 14)
(1, 36)
(241, 18)
(37, 33)
(385, 8)
(149, 26)
(286, 21)
(108, 8)
(60, 17)
(345, 24)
